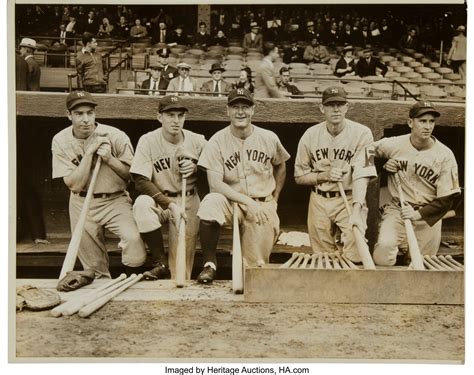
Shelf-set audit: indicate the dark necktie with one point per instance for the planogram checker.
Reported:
(216, 89)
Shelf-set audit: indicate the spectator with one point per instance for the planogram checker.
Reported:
(316, 53)
(66, 14)
(310, 32)
(253, 39)
(374, 33)
(89, 66)
(457, 53)
(138, 31)
(57, 55)
(91, 25)
(62, 34)
(183, 84)
(105, 29)
(367, 65)
(386, 33)
(178, 37)
(286, 82)
(265, 82)
(346, 64)
(244, 80)
(202, 39)
(220, 21)
(155, 82)
(217, 85)
(71, 27)
(169, 72)
(122, 29)
(27, 47)
(236, 27)
(294, 54)
(365, 39)
(273, 29)
(347, 36)
(21, 73)
(161, 35)
(332, 36)
(220, 40)
(409, 41)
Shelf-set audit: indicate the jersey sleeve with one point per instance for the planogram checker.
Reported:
(303, 164)
(211, 158)
(123, 148)
(363, 163)
(62, 165)
(280, 155)
(448, 182)
(142, 161)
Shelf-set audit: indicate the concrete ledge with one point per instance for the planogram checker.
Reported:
(386, 286)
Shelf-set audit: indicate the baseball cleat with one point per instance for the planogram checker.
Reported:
(207, 275)
(161, 271)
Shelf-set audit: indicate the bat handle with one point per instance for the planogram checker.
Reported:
(344, 197)
(183, 194)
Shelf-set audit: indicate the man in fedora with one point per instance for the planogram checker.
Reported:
(183, 82)
(216, 84)
(253, 39)
(169, 72)
(155, 82)
(27, 47)
(367, 65)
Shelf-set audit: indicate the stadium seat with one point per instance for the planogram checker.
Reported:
(381, 90)
(234, 57)
(452, 76)
(432, 76)
(306, 86)
(443, 70)
(233, 64)
(235, 49)
(423, 69)
(411, 75)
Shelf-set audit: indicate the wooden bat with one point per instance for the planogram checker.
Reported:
(450, 258)
(305, 260)
(434, 264)
(181, 248)
(327, 264)
(88, 309)
(73, 248)
(313, 261)
(75, 304)
(343, 263)
(298, 260)
(289, 261)
(349, 262)
(443, 259)
(320, 261)
(335, 262)
(237, 266)
(428, 265)
(359, 238)
(435, 259)
(415, 254)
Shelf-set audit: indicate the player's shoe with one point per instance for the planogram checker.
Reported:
(160, 271)
(207, 275)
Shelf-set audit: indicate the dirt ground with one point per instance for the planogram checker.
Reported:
(157, 330)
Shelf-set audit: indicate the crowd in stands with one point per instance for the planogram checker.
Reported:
(305, 34)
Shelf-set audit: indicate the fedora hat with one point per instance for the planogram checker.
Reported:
(216, 66)
(28, 42)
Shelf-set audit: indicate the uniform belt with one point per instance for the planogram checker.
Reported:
(263, 199)
(171, 194)
(329, 194)
(99, 195)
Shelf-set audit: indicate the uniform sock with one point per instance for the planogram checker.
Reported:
(154, 241)
(209, 233)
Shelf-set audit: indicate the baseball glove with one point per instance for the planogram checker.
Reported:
(75, 280)
(33, 298)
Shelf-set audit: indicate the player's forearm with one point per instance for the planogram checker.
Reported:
(145, 187)
(434, 211)
(279, 173)
(78, 179)
(310, 179)
(217, 185)
(359, 190)
(122, 169)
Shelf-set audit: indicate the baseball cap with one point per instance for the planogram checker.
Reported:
(333, 95)
(183, 65)
(422, 107)
(240, 94)
(76, 98)
(170, 102)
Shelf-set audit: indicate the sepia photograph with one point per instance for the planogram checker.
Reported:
(231, 182)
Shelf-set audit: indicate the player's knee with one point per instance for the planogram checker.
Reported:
(143, 202)
(383, 256)
(212, 208)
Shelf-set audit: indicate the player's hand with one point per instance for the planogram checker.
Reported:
(163, 215)
(93, 144)
(256, 212)
(187, 167)
(177, 214)
(392, 166)
(336, 174)
(408, 212)
(105, 152)
(356, 217)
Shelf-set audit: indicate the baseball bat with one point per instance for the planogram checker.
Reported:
(413, 248)
(359, 238)
(434, 264)
(327, 264)
(335, 262)
(458, 268)
(297, 261)
(428, 265)
(450, 258)
(289, 261)
(88, 309)
(181, 248)
(435, 259)
(305, 260)
(349, 262)
(313, 261)
(73, 248)
(237, 266)
(343, 263)
(320, 265)
(74, 305)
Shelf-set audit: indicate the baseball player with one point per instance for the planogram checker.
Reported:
(163, 158)
(428, 175)
(325, 157)
(244, 164)
(75, 152)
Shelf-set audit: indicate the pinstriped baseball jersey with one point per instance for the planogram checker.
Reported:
(425, 174)
(318, 150)
(155, 158)
(246, 164)
(68, 152)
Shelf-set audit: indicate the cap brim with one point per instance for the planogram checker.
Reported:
(424, 111)
(335, 99)
(173, 107)
(82, 102)
(241, 99)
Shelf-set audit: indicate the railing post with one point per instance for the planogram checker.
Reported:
(120, 63)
